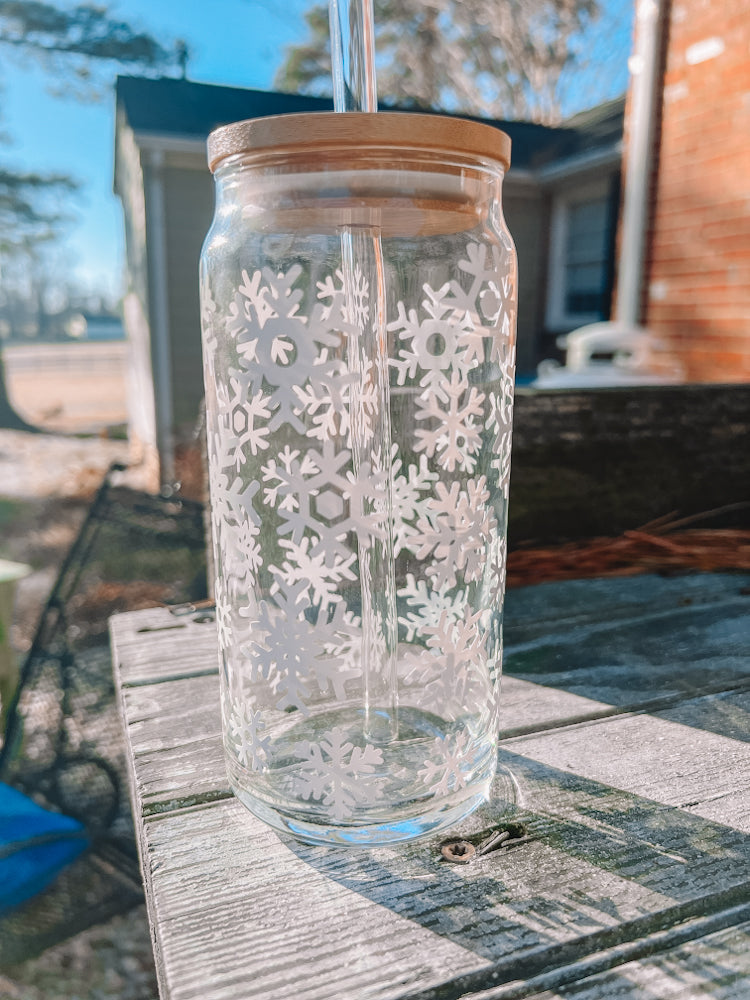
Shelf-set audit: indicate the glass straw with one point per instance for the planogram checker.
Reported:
(355, 89)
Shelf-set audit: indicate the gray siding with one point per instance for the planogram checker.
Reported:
(129, 185)
(525, 212)
(189, 206)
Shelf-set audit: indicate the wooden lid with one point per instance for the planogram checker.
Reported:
(386, 129)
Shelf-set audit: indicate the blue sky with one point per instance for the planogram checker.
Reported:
(233, 42)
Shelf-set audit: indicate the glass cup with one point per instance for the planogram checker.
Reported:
(358, 295)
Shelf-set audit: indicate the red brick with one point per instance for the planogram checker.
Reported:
(699, 238)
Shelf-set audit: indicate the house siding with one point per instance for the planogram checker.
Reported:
(129, 185)
(697, 294)
(524, 208)
(189, 207)
(169, 210)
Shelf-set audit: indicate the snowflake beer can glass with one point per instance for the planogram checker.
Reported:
(358, 290)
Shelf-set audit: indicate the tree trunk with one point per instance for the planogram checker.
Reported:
(9, 419)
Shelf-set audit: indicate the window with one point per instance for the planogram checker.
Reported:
(580, 251)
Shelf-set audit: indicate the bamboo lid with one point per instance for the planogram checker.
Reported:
(389, 130)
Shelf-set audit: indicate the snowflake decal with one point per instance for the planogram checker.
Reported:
(410, 492)
(339, 661)
(483, 280)
(428, 606)
(339, 774)
(450, 678)
(459, 686)
(245, 729)
(325, 402)
(276, 344)
(499, 423)
(308, 491)
(455, 435)
(496, 567)
(243, 420)
(443, 342)
(320, 573)
(455, 531)
(223, 612)
(444, 770)
(282, 646)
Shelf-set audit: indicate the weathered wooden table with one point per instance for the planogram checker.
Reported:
(627, 716)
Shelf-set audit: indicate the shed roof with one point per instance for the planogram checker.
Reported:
(184, 109)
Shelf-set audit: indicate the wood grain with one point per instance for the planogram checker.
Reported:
(629, 765)
(718, 964)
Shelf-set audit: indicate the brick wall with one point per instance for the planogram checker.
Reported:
(697, 282)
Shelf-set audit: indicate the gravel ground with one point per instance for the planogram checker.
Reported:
(110, 962)
(46, 483)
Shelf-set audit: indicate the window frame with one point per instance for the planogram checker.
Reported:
(557, 318)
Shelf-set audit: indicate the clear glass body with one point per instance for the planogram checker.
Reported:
(358, 313)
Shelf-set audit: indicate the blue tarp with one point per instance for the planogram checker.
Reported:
(35, 845)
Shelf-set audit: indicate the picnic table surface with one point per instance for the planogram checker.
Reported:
(624, 750)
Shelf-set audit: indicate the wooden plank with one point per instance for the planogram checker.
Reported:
(677, 643)
(716, 965)
(554, 608)
(174, 730)
(639, 824)
(695, 756)
(183, 646)
(602, 857)
(619, 668)
(234, 901)
(175, 733)
(702, 957)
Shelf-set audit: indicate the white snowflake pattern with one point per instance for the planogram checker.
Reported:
(325, 402)
(503, 351)
(241, 551)
(282, 646)
(232, 499)
(409, 491)
(499, 423)
(438, 343)
(496, 569)
(455, 682)
(321, 572)
(310, 494)
(289, 475)
(245, 729)
(277, 345)
(347, 308)
(298, 652)
(485, 281)
(342, 776)
(367, 493)
(365, 402)
(340, 641)
(223, 612)
(443, 771)
(330, 488)
(428, 606)
(251, 309)
(456, 531)
(244, 421)
(455, 437)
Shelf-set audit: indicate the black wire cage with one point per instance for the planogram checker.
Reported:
(63, 744)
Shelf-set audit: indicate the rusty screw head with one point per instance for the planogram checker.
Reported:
(458, 852)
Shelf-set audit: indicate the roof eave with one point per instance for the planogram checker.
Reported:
(582, 163)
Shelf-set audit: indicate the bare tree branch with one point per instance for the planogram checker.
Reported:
(501, 58)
